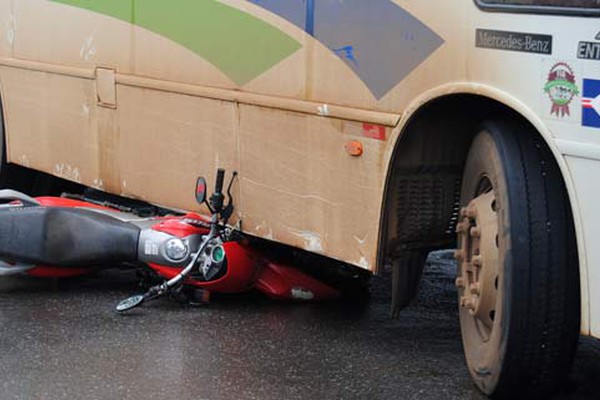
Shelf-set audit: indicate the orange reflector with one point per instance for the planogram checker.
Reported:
(354, 148)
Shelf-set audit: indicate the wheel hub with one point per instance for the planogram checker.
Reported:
(477, 257)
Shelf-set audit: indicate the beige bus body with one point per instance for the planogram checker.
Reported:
(120, 107)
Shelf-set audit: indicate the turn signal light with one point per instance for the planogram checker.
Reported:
(354, 148)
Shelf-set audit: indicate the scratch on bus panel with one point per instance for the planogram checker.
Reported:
(323, 110)
(262, 228)
(85, 109)
(361, 241)
(312, 241)
(362, 262)
(11, 32)
(98, 184)
(302, 196)
(24, 160)
(67, 172)
(88, 49)
(124, 188)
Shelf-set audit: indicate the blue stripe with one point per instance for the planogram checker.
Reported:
(310, 17)
(379, 40)
(589, 116)
(591, 88)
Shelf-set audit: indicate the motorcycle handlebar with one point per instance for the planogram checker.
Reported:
(220, 179)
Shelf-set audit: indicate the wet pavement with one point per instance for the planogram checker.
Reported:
(63, 341)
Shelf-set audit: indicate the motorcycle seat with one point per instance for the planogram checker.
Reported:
(65, 237)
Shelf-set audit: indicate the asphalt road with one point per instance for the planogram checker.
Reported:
(63, 341)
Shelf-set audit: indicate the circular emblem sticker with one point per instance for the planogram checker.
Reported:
(561, 88)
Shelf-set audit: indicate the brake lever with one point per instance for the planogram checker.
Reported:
(228, 210)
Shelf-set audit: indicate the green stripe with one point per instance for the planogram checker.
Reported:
(121, 9)
(239, 44)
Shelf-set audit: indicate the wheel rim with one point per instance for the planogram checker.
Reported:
(478, 261)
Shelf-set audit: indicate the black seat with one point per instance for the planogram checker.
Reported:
(65, 237)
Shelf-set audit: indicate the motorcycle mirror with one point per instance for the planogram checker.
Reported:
(130, 303)
(201, 190)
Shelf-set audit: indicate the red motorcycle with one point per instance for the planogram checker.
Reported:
(192, 255)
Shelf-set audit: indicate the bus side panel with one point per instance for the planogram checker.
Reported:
(583, 172)
(49, 32)
(51, 123)
(166, 140)
(300, 187)
(7, 27)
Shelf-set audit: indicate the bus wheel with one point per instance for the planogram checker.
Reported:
(518, 279)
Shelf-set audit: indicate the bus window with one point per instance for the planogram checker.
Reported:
(581, 7)
(552, 3)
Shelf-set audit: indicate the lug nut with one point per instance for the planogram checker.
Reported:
(470, 304)
(474, 288)
(467, 303)
(460, 282)
(471, 212)
(477, 262)
(475, 232)
(459, 255)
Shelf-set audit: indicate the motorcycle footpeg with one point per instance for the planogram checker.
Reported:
(137, 300)
(130, 303)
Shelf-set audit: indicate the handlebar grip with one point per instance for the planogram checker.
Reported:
(220, 179)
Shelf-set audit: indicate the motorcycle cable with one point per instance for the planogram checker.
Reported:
(163, 288)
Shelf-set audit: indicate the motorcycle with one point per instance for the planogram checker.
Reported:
(191, 255)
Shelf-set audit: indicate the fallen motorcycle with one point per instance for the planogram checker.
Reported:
(191, 254)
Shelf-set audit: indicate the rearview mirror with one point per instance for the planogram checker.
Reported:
(201, 190)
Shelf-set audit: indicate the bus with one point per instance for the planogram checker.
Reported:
(368, 132)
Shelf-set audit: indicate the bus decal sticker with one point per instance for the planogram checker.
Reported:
(352, 29)
(347, 53)
(374, 131)
(239, 44)
(513, 41)
(591, 103)
(589, 50)
(254, 46)
(561, 88)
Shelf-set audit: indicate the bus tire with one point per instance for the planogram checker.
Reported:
(518, 273)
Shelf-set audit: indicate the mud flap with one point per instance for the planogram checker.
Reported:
(407, 270)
